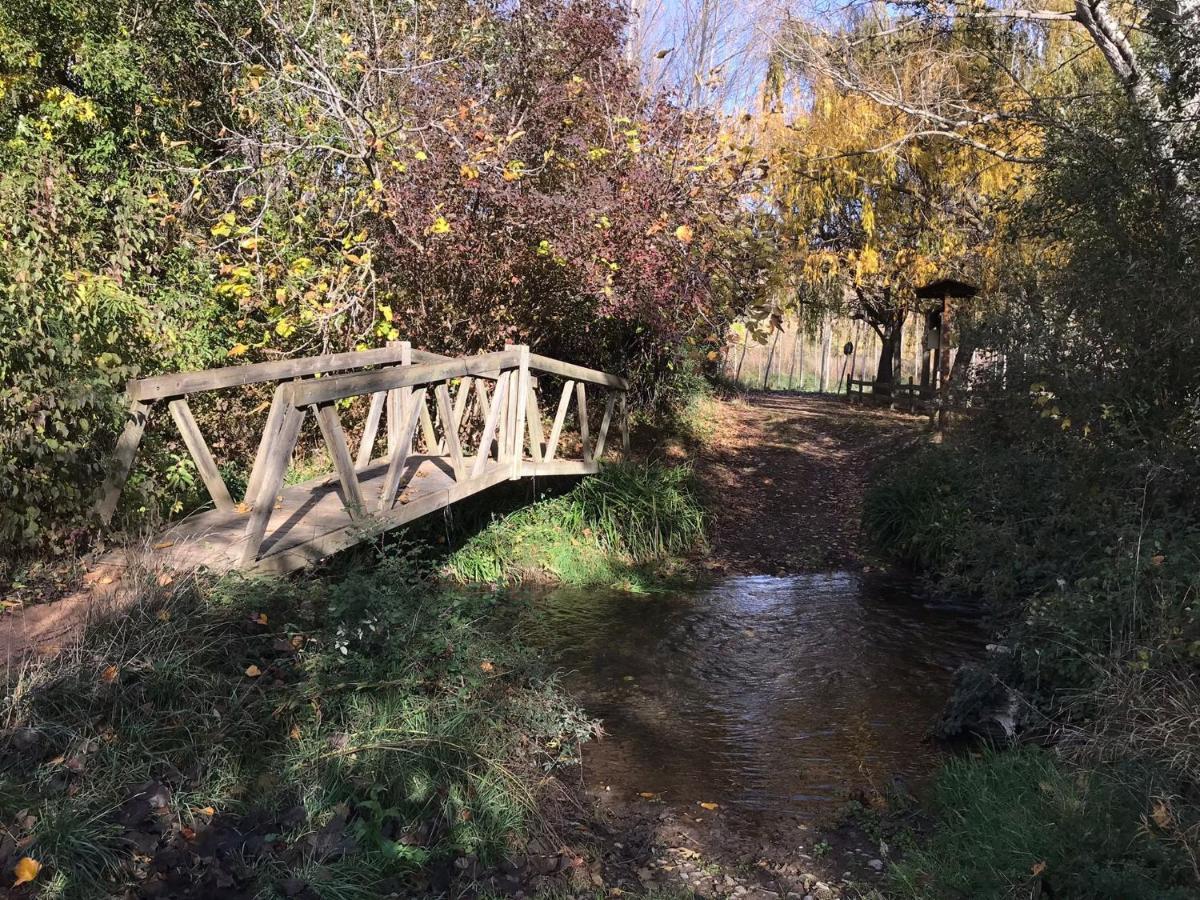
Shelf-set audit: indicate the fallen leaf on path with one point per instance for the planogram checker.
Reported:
(26, 869)
(649, 795)
(709, 806)
(253, 671)
(487, 666)
(261, 619)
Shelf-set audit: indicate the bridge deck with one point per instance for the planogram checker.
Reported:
(309, 521)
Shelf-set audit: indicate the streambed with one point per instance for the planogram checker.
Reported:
(765, 695)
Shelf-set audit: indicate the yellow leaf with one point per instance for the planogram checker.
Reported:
(253, 671)
(487, 666)
(709, 806)
(109, 675)
(712, 355)
(440, 226)
(294, 734)
(684, 234)
(648, 795)
(261, 618)
(26, 870)
(237, 350)
(469, 172)
(250, 243)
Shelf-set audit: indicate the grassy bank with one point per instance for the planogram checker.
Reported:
(627, 525)
(268, 738)
(1084, 553)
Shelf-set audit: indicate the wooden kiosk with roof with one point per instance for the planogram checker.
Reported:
(938, 302)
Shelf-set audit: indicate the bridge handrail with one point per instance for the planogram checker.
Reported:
(339, 387)
(178, 384)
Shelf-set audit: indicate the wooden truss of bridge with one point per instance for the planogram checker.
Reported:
(486, 426)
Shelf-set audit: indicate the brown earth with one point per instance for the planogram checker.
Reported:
(787, 474)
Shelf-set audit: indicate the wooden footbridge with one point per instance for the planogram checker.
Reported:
(431, 459)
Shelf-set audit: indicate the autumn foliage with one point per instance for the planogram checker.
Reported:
(292, 179)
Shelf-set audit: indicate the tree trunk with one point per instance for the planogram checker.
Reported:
(826, 343)
(891, 337)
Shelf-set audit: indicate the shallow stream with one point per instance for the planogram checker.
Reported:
(763, 694)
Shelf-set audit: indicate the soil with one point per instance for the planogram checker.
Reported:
(788, 473)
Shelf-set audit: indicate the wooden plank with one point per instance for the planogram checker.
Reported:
(370, 429)
(275, 463)
(577, 373)
(534, 419)
(446, 416)
(532, 469)
(339, 451)
(609, 403)
(397, 400)
(432, 444)
(123, 456)
(399, 455)
(179, 383)
(489, 425)
(520, 399)
(582, 411)
(319, 546)
(279, 407)
(211, 475)
(338, 387)
(560, 418)
(460, 403)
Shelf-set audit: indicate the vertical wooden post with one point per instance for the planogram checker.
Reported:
(126, 450)
(581, 409)
(274, 420)
(520, 402)
(396, 398)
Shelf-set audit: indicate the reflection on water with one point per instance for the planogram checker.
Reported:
(761, 693)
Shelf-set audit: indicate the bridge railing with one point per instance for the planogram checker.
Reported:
(501, 435)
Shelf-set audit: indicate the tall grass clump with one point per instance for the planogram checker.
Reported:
(228, 737)
(1024, 824)
(629, 515)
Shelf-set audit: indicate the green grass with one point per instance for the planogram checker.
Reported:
(1023, 824)
(385, 711)
(609, 529)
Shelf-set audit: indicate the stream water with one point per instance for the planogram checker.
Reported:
(762, 694)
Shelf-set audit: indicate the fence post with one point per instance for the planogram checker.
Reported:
(396, 399)
(521, 411)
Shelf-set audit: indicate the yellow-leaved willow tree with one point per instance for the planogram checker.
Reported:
(871, 201)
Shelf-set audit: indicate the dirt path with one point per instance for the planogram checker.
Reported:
(789, 472)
